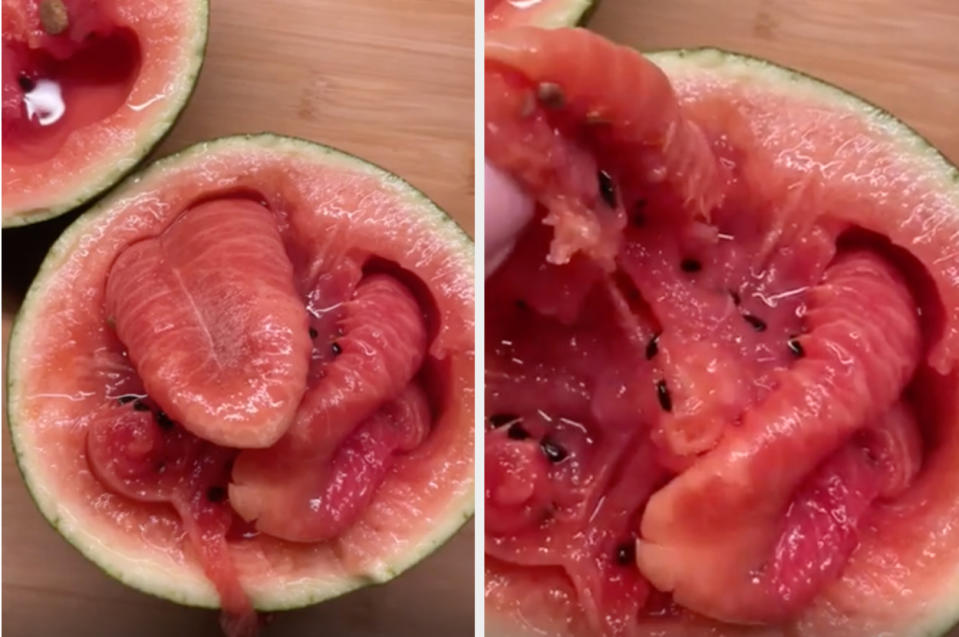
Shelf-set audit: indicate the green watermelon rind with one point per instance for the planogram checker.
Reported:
(912, 143)
(147, 140)
(567, 13)
(943, 613)
(198, 592)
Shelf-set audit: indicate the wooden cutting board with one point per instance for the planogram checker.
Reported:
(388, 80)
(901, 56)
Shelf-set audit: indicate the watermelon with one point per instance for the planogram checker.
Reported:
(541, 13)
(245, 378)
(721, 361)
(88, 89)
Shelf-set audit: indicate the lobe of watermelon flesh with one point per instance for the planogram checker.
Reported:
(90, 69)
(820, 528)
(210, 317)
(380, 352)
(362, 461)
(134, 455)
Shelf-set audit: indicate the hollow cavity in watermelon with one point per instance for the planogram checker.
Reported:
(721, 362)
(540, 13)
(245, 379)
(88, 89)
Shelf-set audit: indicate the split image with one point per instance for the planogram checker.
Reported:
(697, 380)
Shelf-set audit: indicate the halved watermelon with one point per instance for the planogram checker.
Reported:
(88, 89)
(541, 13)
(721, 363)
(309, 310)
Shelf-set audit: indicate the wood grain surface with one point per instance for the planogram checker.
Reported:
(902, 56)
(388, 80)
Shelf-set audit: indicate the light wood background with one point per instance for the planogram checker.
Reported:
(902, 55)
(388, 80)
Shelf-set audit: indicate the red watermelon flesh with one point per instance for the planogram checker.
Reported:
(55, 83)
(143, 455)
(381, 347)
(702, 356)
(221, 290)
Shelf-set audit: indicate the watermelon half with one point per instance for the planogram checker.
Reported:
(541, 13)
(245, 378)
(721, 369)
(88, 89)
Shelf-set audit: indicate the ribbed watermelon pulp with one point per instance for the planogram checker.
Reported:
(708, 360)
(88, 87)
(269, 256)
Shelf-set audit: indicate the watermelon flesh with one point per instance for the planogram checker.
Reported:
(252, 374)
(138, 452)
(56, 83)
(705, 357)
(382, 346)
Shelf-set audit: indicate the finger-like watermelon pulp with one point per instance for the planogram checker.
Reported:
(88, 89)
(246, 273)
(721, 387)
(541, 13)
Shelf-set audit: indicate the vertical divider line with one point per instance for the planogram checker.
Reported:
(479, 233)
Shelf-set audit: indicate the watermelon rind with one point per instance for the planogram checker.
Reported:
(564, 13)
(190, 587)
(181, 88)
(941, 612)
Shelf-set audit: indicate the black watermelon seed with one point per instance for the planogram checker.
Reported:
(626, 553)
(216, 494)
(662, 393)
(521, 304)
(500, 420)
(26, 82)
(553, 451)
(795, 347)
(164, 421)
(516, 432)
(607, 189)
(735, 295)
(652, 347)
(690, 265)
(336, 349)
(139, 405)
(313, 333)
(757, 323)
(126, 398)
(550, 95)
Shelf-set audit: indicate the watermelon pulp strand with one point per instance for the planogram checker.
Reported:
(668, 301)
